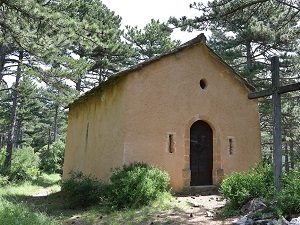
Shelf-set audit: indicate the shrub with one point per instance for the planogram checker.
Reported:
(4, 179)
(2, 156)
(24, 164)
(288, 199)
(136, 185)
(52, 160)
(81, 190)
(241, 187)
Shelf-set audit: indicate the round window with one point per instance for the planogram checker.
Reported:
(203, 83)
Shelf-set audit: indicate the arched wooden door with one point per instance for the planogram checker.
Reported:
(201, 153)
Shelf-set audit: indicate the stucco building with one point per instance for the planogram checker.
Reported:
(186, 112)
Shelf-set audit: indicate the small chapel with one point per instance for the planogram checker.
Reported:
(186, 112)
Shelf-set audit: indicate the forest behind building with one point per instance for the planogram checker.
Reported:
(53, 51)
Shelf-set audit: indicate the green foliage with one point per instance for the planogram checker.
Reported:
(101, 43)
(288, 199)
(133, 186)
(4, 179)
(241, 187)
(136, 185)
(2, 155)
(52, 160)
(155, 39)
(18, 213)
(81, 190)
(24, 165)
(228, 211)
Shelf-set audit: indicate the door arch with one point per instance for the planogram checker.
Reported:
(201, 153)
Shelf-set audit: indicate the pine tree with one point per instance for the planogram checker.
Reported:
(105, 50)
(153, 40)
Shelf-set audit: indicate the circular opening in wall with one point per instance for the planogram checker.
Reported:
(203, 83)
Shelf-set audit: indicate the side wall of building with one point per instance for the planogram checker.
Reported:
(165, 98)
(95, 135)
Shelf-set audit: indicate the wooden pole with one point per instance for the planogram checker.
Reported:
(276, 91)
(277, 136)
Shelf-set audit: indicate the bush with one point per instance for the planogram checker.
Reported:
(82, 191)
(136, 185)
(4, 179)
(52, 160)
(2, 156)
(241, 187)
(288, 199)
(24, 164)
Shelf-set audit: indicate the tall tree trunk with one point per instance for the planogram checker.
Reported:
(249, 59)
(2, 139)
(13, 115)
(292, 154)
(3, 50)
(79, 81)
(78, 85)
(55, 123)
(18, 138)
(286, 158)
(49, 140)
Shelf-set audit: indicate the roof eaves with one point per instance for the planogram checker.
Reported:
(117, 76)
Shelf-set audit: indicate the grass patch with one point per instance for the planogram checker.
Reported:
(12, 213)
(17, 203)
(28, 188)
(143, 215)
(228, 211)
(14, 199)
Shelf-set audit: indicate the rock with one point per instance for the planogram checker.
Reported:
(194, 203)
(191, 215)
(243, 221)
(265, 222)
(267, 215)
(295, 221)
(253, 206)
(209, 214)
(282, 221)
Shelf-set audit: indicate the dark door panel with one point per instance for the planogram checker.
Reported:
(201, 153)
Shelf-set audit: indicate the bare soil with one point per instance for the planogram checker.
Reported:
(190, 210)
(200, 209)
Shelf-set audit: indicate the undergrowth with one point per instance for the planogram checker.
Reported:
(241, 187)
(14, 211)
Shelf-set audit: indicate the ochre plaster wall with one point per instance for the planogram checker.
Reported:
(165, 97)
(95, 135)
(131, 120)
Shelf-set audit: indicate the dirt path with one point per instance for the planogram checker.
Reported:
(201, 210)
(190, 210)
(43, 192)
